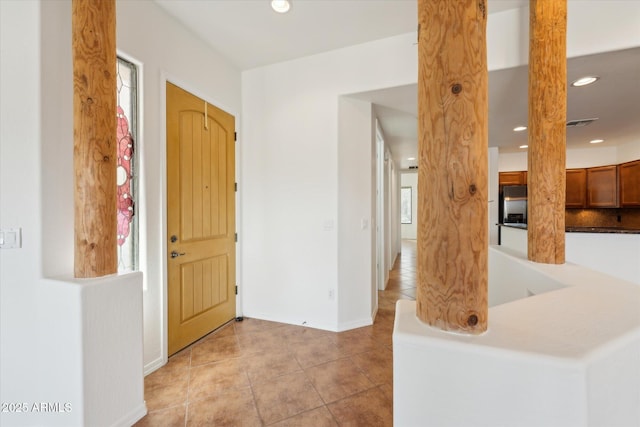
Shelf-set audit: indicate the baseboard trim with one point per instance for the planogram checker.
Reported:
(132, 417)
(154, 365)
(354, 324)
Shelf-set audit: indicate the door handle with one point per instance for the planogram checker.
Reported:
(175, 254)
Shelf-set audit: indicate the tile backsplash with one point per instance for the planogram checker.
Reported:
(622, 217)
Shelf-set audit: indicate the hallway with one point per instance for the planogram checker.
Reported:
(260, 373)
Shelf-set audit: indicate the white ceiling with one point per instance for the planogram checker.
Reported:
(614, 100)
(250, 34)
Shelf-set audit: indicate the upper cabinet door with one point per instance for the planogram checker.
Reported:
(512, 178)
(602, 187)
(576, 188)
(630, 184)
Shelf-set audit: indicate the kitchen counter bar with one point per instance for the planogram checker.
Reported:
(614, 230)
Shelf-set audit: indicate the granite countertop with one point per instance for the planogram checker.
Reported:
(613, 230)
(618, 230)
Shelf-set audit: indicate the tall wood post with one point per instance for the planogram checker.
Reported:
(546, 176)
(452, 172)
(94, 136)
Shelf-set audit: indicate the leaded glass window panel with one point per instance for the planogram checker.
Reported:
(127, 165)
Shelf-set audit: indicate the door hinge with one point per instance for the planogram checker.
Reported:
(235, 136)
(236, 237)
(236, 289)
(235, 186)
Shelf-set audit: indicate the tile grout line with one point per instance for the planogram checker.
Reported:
(324, 404)
(186, 404)
(377, 336)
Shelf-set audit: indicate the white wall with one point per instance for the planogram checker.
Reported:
(410, 231)
(387, 223)
(356, 208)
(45, 352)
(389, 171)
(494, 201)
(167, 51)
(629, 151)
(578, 157)
(396, 232)
(33, 365)
(290, 152)
(290, 177)
(37, 194)
(508, 31)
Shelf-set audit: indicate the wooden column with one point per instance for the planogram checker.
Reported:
(94, 136)
(546, 176)
(452, 173)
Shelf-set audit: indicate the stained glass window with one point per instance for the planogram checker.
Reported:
(127, 165)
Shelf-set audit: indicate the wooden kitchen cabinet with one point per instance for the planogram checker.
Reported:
(602, 187)
(512, 178)
(630, 184)
(576, 188)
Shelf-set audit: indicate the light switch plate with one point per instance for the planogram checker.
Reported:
(10, 238)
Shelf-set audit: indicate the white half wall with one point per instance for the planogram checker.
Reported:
(615, 254)
(567, 356)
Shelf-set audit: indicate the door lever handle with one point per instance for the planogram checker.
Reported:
(175, 254)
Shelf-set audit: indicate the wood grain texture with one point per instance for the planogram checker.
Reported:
(602, 187)
(576, 194)
(452, 174)
(547, 131)
(630, 184)
(201, 216)
(94, 137)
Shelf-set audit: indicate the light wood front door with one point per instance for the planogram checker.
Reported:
(200, 217)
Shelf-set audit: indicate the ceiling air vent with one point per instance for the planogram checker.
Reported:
(580, 123)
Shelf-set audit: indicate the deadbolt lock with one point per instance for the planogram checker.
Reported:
(174, 238)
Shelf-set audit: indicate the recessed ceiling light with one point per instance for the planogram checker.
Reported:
(596, 141)
(524, 146)
(583, 81)
(280, 6)
(519, 128)
(411, 158)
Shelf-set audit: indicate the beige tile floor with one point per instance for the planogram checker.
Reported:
(260, 373)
